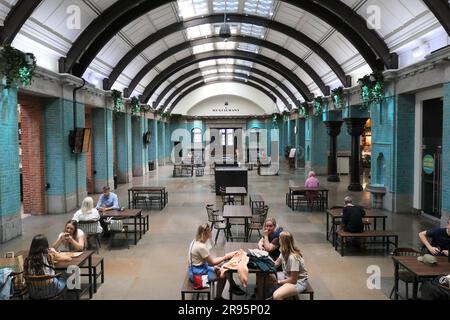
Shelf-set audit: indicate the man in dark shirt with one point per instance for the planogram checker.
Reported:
(440, 240)
(352, 217)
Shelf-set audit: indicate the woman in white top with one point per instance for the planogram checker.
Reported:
(294, 278)
(72, 239)
(88, 213)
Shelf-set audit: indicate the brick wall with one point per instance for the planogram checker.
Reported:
(33, 162)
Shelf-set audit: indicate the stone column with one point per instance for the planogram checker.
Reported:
(355, 128)
(333, 130)
(103, 149)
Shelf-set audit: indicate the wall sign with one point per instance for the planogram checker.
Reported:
(428, 164)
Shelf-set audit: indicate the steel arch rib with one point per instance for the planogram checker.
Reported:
(237, 74)
(201, 84)
(240, 67)
(16, 18)
(339, 22)
(269, 63)
(215, 39)
(160, 34)
(441, 10)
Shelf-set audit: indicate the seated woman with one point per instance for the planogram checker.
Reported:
(294, 278)
(88, 213)
(312, 182)
(72, 239)
(201, 261)
(40, 262)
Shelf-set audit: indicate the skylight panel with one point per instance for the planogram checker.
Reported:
(262, 8)
(192, 8)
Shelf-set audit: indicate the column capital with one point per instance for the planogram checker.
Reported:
(355, 126)
(333, 127)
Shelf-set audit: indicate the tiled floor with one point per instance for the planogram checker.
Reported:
(155, 268)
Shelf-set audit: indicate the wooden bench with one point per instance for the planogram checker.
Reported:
(384, 234)
(98, 270)
(188, 287)
(309, 291)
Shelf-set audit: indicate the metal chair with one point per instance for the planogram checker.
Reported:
(216, 220)
(259, 216)
(404, 275)
(227, 200)
(90, 229)
(43, 287)
(117, 227)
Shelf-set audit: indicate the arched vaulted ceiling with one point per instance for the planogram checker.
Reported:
(223, 77)
(319, 43)
(222, 69)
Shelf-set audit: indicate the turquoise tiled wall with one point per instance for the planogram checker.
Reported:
(60, 163)
(446, 152)
(124, 145)
(102, 144)
(9, 154)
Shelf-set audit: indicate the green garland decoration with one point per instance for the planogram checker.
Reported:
(372, 88)
(318, 106)
(338, 97)
(303, 111)
(118, 102)
(285, 116)
(16, 67)
(135, 106)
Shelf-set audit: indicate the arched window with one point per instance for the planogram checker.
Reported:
(196, 135)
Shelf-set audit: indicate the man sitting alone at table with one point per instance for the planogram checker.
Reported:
(352, 217)
(108, 201)
(440, 240)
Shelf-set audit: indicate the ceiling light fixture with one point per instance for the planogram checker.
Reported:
(225, 31)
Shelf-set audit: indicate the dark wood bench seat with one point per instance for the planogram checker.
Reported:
(309, 291)
(386, 236)
(188, 287)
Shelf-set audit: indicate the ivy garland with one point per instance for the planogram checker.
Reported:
(118, 102)
(304, 110)
(285, 116)
(135, 106)
(318, 106)
(338, 97)
(372, 88)
(16, 67)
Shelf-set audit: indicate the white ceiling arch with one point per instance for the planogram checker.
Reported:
(227, 91)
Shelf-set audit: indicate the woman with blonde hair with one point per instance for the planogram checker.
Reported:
(201, 262)
(294, 278)
(88, 213)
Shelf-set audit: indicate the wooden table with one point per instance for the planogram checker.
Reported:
(420, 270)
(302, 191)
(230, 177)
(236, 191)
(76, 261)
(147, 191)
(134, 214)
(336, 214)
(243, 212)
(261, 276)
